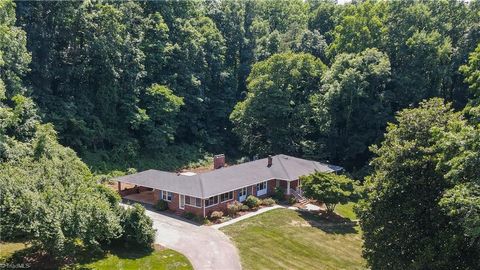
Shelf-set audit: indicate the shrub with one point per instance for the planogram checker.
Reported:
(252, 201)
(189, 215)
(279, 194)
(268, 202)
(234, 207)
(245, 207)
(161, 205)
(215, 215)
(292, 200)
(137, 227)
(200, 220)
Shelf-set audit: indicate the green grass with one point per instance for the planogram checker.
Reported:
(346, 211)
(7, 249)
(121, 259)
(164, 259)
(286, 239)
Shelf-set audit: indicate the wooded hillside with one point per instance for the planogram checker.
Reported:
(307, 78)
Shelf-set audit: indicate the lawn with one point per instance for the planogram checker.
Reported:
(119, 260)
(287, 239)
(346, 210)
(163, 259)
(7, 249)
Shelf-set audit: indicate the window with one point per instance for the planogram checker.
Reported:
(211, 201)
(242, 194)
(192, 201)
(167, 196)
(226, 196)
(261, 188)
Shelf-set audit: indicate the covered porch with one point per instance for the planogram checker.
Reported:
(289, 187)
(136, 193)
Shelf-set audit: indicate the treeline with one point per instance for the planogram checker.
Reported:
(49, 199)
(309, 78)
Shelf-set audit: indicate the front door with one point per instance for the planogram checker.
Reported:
(181, 202)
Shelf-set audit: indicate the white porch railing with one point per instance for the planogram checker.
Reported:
(298, 194)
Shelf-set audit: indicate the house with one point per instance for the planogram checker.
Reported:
(203, 193)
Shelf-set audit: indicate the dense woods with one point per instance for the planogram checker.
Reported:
(125, 80)
(117, 81)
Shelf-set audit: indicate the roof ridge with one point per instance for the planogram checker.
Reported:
(283, 167)
(201, 185)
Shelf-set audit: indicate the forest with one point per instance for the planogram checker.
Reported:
(122, 81)
(389, 90)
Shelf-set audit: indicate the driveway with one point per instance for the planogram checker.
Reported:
(205, 247)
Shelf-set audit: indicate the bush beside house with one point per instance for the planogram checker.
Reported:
(252, 202)
(161, 205)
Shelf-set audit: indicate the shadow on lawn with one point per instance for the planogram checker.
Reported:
(329, 223)
(32, 258)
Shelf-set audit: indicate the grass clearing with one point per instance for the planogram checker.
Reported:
(156, 260)
(287, 239)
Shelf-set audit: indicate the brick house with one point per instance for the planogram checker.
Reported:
(210, 191)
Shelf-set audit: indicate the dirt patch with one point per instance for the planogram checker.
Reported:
(296, 223)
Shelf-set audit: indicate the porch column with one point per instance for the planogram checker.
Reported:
(119, 186)
(288, 187)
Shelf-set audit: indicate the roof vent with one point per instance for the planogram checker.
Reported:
(218, 161)
(188, 173)
(269, 164)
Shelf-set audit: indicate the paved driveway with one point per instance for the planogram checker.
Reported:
(205, 247)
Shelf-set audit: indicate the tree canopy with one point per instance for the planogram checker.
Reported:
(116, 82)
(94, 65)
(48, 196)
(421, 210)
(330, 189)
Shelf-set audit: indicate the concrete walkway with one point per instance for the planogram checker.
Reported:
(235, 220)
(205, 247)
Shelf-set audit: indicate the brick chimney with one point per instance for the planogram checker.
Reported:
(269, 164)
(218, 161)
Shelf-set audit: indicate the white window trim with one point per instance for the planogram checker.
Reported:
(180, 201)
(242, 198)
(166, 195)
(218, 201)
(194, 205)
(263, 191)
(227, 200)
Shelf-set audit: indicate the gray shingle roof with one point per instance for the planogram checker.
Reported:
(207, 184)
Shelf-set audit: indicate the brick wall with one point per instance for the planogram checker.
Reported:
(173, 205)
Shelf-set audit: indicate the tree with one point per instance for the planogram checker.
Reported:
(14, 57)
(329, 188)
(137, 227)
(471, 71)
(361, 26)
(407, 218)
(352, 108)
(323, 17)
(423, 71)
(161, 116)
(48, 196)
(272, 117)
